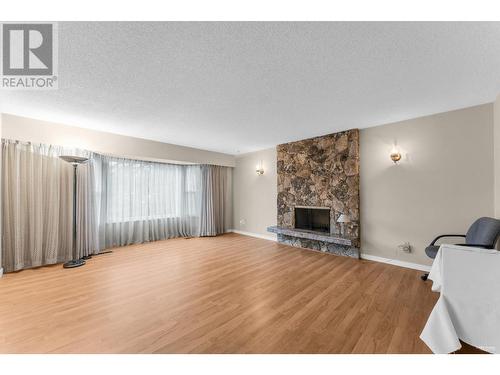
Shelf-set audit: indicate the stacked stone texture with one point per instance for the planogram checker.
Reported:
(321, 172)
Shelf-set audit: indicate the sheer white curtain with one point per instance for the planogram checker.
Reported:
(143, 201)
(87, 204)
(119, 202)
(37, 205)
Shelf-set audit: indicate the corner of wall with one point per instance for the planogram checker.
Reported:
(496, 155)
(1, 234)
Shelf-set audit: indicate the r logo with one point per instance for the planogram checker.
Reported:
(28, 49)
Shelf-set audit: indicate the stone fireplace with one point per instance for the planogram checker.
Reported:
(318, 179)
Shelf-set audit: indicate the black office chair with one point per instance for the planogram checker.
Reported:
(483, 233)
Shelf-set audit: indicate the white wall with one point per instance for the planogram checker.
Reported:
(26, 129)
(443, 183)
(254, 196)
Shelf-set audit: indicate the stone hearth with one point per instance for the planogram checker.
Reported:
(327, 243)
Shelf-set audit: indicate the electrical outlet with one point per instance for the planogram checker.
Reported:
(406, 247)
(243, 221)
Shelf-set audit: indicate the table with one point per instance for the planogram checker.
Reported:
(468, 308)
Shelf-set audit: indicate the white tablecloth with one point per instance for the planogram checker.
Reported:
(469, 306)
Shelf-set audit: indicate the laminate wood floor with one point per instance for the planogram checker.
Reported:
(226, 294)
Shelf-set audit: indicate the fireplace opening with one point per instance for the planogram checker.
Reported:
(313, 218)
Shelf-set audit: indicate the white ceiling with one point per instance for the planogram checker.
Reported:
(239, 87)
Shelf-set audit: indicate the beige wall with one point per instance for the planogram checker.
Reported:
(496, 138)
(443, 183)
(445, 180)
(254, 196)
(26, 129)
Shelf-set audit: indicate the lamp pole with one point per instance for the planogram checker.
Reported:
(75, 161)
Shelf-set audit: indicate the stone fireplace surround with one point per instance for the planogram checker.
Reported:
(320, 172)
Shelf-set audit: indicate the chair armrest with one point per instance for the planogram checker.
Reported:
(446, 235)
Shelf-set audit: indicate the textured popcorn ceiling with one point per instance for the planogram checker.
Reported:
(238, 87)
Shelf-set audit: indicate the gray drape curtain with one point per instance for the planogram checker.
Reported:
(119, 202)
(214, 207)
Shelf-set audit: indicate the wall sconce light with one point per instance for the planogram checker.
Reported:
(395, 155)
(259, 169)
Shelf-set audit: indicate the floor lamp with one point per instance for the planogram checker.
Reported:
(75, 161)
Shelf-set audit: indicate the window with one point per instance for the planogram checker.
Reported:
(139, 191)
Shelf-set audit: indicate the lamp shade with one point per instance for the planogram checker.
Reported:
(75, 160)
(343, 219)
